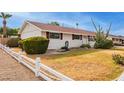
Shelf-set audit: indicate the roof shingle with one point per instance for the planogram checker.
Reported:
(61, 29)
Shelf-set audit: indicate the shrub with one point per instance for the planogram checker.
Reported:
(12, 42)
(118, 59)
(85, 46)
(65, 48)
(20, 44)
(104, 44)
(35, 45)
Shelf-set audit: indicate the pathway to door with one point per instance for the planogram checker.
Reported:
(12, 70)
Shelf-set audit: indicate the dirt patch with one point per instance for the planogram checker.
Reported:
(89, 71)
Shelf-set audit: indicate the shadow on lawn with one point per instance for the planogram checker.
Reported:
(71, 53)
(119, 49)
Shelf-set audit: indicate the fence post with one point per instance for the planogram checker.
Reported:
(37, 66)
(20, 57)
(2, 47)
(8, 48)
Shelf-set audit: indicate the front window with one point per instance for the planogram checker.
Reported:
(77, 37)
(54, 35)
(113, 39)
(91, 38)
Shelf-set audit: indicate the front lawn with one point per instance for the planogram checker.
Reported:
(84, 64)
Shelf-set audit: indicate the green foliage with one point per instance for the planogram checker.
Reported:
(10, 31)
(1, 30)
(20, 44)
(35, 45)
(118, 59)
(85, 46)
(4, 15)
(12, 42)
(65, 48)
(55, 23)
(101, 37)
(106, 44)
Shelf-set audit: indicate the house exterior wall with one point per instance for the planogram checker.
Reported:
(30, 31)
(85, 39)
(58, 43)
(117, 42)
(91, 43)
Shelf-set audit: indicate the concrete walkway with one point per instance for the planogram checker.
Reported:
(12, 70)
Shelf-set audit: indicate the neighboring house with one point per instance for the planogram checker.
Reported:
(117, 40)
(58, 35)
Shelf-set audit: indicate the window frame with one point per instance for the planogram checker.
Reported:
(74, 37)
(54, 37)
(91, 38)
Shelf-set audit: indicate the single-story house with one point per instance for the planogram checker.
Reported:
(57, 35)
(117, 40)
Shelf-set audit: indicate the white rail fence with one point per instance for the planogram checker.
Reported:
(36, 66)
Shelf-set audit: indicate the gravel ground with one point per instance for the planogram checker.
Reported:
(10, 70)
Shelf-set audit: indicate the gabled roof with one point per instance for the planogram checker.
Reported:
(60, 29)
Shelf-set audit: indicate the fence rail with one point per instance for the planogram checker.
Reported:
(36, 66)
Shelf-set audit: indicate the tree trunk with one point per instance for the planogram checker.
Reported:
(4, 28)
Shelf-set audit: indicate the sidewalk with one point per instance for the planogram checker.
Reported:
(12, 70)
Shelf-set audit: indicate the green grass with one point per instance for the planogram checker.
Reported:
(74, 52)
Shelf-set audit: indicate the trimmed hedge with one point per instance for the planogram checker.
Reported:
(85, 46)
(106, 44)
(35, 45)
(20, 44)
(12, 42)
(65, 48)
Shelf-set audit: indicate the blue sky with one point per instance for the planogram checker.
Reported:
(69, 19)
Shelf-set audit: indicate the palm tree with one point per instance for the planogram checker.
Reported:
(4, 16)
(77, 25)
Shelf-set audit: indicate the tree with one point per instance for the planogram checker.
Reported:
(1, 30)
(55, 23)
(102, 37)
(10, 31)
(4, 17)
